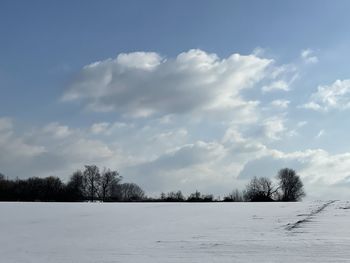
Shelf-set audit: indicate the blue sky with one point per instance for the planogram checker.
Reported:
(168, 104)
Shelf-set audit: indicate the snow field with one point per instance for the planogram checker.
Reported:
(174, 232)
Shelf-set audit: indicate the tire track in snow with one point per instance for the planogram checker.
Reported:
(309, 216)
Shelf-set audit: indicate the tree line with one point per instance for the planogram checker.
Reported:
(93, 184)
(288, 188)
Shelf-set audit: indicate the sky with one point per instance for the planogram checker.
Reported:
(190, 95)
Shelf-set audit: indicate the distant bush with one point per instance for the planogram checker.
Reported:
(198, 197)
(234, 196)
(172, 197)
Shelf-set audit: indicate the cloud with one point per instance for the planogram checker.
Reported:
(330, 97)
(15, 149)
(320, 134)
(323, 174)
(312, 106)
(57, 130)
(282, 79)
(274, 127)
(53, 149)
(280, 103)
(237, 143)
(164, 158)
(188, 167)
(268, 166)
(101, 127)
(5, 124)
(308, 57)
(276, 85)
(301, 124)
(323, 167)
(188, 155)
(188, 122)
(143, 84)
(321, 171)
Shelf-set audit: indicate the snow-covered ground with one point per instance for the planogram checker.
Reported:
(174, 232)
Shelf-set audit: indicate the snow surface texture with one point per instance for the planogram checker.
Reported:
(175, 232)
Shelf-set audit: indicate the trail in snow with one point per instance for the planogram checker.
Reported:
(309, 216)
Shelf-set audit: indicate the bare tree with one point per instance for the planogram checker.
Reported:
(207, 198)
(91, 179)
(75, 187)
(260, 189)
(52, 188)
(290, 185)
(163, 196)
(5, 188)
(234, 196)
(173, 197)
(195, 197)
(129, 192)
(198, 197)
(109, 180)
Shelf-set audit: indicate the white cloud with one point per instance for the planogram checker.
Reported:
(312, 106)
(57, 130)
(282, 79)
(258, 51)
(162, 159)
(242, 146)
(107, 128)
(139, 60)
(170, 136)
(280, 103)
(199, 128)
(323, 174)
(274, 127)
(276, 85)
(98, 128)
(15, 149)
(143, 84)
(323, 167)
(187, 167)
(308, 56)
(301, 124)
(320, 134)
(296, 131)
(332, 97)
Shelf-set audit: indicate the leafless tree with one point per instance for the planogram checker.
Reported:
(290, 185)
(195, 197)
(173, 197)
(128, 192)
(52, 188)
(108, 181)
(198, 197)
(75, 187)
(260, 189)
(234, 196)
(163, 196)
(91, 179)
